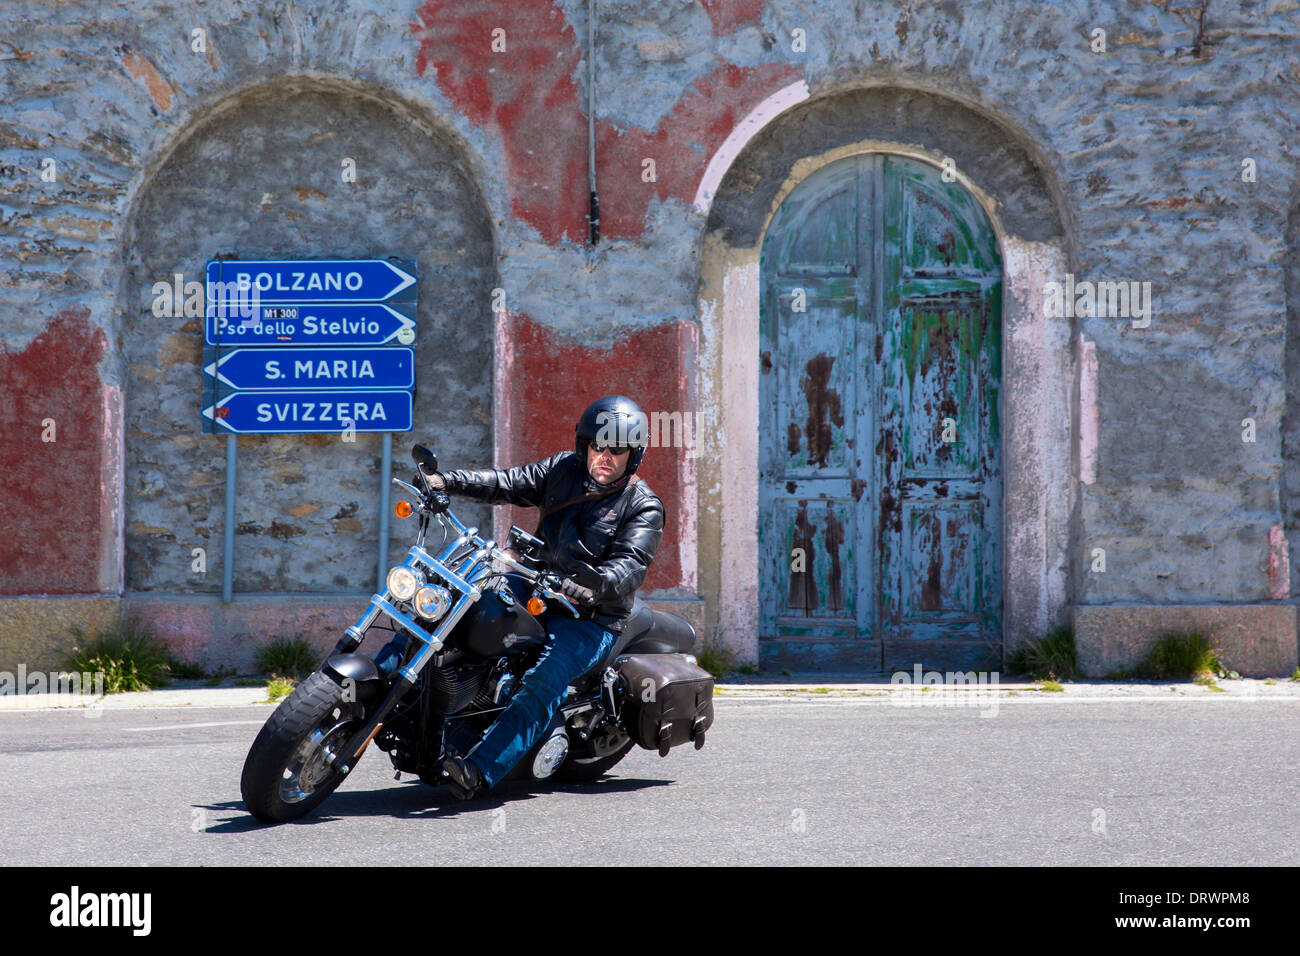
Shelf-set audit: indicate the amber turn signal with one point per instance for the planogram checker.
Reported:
(536, 606)
(402, 509)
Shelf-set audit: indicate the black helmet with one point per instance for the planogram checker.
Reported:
(614, 420)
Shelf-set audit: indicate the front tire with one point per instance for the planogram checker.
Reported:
(286, 774)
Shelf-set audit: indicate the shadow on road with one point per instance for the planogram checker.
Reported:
(416, 800)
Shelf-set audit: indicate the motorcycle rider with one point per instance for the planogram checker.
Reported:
(601, 525)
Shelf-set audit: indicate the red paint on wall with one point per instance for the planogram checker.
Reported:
(1279, 564)
(51, 540)
(728, 16)
(527, 93)
(555, 379)
(681, 146)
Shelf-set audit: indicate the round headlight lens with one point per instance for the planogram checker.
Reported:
(403, 582)
(432, 602)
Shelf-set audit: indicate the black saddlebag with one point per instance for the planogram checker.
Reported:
(667, 700)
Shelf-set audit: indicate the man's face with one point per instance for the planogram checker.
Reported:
(605, 466)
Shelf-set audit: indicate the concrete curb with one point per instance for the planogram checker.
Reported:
(184, 697)
(1229, 690)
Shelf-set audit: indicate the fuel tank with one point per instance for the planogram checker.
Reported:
(498, 623)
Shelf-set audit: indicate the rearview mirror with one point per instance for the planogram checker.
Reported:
(426, 459)
(524, 543)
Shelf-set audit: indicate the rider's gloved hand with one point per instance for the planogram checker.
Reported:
(576, 593)
(436, 481)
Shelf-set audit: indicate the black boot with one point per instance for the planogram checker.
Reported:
(463, 776)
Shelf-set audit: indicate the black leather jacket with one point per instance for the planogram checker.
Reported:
(606, 545)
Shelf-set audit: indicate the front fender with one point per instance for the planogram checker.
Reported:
(359, 669)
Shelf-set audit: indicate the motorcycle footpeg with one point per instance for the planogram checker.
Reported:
(594, 723)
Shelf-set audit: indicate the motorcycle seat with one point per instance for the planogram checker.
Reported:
(655, 632)
(639, 622)
(648, 631)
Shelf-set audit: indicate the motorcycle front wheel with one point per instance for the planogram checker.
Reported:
(287, 773)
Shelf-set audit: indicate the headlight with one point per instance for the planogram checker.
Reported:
(403, 582)
(432, 602)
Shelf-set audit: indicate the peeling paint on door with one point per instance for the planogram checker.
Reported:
(881, 331)
(824, 409)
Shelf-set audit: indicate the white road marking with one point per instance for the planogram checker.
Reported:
(218, 723)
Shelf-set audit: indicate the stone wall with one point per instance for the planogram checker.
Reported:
(1167, 157)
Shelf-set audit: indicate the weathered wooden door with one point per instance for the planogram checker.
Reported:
(880, 494)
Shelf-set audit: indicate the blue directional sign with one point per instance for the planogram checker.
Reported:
(276, 330)
(315, 412)
(369, 324)
(313, 280)
(286, 369)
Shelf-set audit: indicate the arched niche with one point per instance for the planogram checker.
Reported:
(268, 173)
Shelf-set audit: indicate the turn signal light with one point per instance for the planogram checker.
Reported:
(536, 606)
(402, 509)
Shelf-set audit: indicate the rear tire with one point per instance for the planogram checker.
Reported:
(285, 774)
(585, 766)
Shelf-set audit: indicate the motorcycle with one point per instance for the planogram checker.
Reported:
(470, 619)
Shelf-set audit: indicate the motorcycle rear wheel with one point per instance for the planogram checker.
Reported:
(286, 774)
(587, 765)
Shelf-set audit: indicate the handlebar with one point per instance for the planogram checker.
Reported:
(547, 582)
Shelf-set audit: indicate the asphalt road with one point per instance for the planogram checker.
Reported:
(855, 780)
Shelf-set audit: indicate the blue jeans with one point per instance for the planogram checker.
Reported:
(575, 646)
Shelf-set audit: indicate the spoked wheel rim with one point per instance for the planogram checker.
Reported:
(309, 767)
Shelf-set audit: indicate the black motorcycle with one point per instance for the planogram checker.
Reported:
(469, 616)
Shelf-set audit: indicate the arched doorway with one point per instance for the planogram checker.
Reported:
(880, 467)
